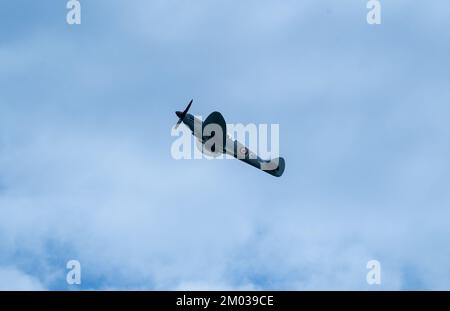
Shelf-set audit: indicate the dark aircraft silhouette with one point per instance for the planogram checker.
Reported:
(216, 142)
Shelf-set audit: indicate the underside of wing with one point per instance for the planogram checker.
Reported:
(214, 131)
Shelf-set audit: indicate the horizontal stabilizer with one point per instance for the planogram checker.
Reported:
(279, 170)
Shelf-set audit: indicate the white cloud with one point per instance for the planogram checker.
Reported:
(86, 172)
(12, 279)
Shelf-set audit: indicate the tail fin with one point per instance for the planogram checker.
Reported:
(280, 168)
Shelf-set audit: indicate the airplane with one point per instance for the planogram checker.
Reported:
(223, 144)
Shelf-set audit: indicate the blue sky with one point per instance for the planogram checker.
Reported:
(85, 165)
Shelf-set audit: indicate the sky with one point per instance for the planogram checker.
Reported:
(86, 173)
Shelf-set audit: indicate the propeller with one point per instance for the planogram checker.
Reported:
(182, 115)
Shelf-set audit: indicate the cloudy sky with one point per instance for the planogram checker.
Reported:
(86, 172)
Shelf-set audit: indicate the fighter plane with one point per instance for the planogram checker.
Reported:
(212, 133)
